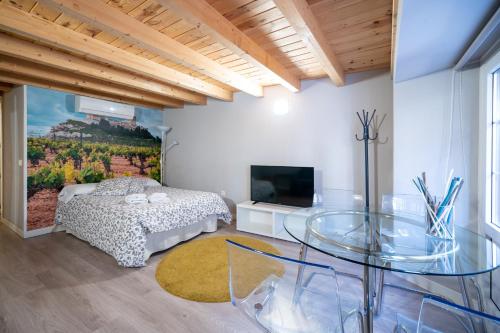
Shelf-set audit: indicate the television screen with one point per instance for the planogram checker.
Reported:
(291, 186)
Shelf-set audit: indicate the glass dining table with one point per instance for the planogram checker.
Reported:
(390, 242)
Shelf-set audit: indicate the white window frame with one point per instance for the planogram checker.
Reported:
(495, 169)
(485, 147)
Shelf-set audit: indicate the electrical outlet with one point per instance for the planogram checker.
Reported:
(222, 193)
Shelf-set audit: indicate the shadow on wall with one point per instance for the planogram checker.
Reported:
(318, 181)
(376, 126)
(352, 79)
(362, 76)
(232, 207)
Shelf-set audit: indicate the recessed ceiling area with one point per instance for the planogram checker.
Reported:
(433, 35)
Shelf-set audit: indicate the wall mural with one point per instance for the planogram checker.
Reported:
(66, 146)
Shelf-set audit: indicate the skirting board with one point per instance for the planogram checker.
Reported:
(42, 231)
(13, 227)
(31, 233)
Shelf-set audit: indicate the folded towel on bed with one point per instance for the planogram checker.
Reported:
(159, 197)
(137, 198)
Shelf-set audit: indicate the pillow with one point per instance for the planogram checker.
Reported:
(149, 182)
(139, 184)
(115, 186)
(68, 192)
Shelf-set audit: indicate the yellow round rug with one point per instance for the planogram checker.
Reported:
(198, 270)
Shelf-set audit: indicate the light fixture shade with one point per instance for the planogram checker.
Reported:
(170, 146)
(164, 129)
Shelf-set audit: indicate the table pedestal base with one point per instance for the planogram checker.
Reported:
(368, 298)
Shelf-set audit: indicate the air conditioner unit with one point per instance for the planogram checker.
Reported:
(103, 108)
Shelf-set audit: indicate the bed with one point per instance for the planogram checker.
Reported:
(132, 232)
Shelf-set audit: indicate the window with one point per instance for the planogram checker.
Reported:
(495, 151)
(489, 148)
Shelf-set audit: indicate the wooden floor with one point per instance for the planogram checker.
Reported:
(57, 283)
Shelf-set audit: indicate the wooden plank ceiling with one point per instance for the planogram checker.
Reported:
(164, 53)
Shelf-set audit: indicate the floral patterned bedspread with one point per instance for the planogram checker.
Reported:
(120, 229)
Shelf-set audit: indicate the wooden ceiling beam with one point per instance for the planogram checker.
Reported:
(21, 79)
(302, 19)
(26, 50)
(27, 69)
(28, 25)
(395, 4)
(115, 22)
(4, 86)
(201, 14)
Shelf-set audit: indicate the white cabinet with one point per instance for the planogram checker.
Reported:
(263, 219)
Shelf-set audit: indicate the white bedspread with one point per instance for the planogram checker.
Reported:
(120, 229)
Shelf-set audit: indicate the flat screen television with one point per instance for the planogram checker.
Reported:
(291, 186)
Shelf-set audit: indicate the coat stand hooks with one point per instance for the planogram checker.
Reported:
(366, 121)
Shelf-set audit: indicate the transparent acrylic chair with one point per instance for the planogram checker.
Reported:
(403, 204)
(336, 199)
(265, 287)
(406, 205)
(410, 205)
(440, 316)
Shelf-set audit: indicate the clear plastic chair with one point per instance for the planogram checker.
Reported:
(413, 206)
(440, 316)
(336, 199)
(265, 287)
(407, 205)
(403, 204)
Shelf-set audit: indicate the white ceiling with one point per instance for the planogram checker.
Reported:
(432, 35)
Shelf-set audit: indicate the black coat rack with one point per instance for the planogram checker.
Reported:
(366, 121)
(369, 275)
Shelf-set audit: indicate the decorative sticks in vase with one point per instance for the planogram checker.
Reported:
(440, 214)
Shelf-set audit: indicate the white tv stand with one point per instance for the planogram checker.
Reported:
(263, 219)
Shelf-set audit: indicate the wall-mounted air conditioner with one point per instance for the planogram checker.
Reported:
(103, 108)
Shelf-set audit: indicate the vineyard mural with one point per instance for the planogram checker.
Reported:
(69, 147)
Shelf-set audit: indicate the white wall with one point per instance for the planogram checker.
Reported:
(422, 118)
(13, 150)
(219, 141)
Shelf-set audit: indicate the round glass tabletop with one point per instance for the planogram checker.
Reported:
(399, 243)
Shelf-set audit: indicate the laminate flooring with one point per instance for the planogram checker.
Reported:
(58, 283)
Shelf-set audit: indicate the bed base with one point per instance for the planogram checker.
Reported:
(160, 241)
